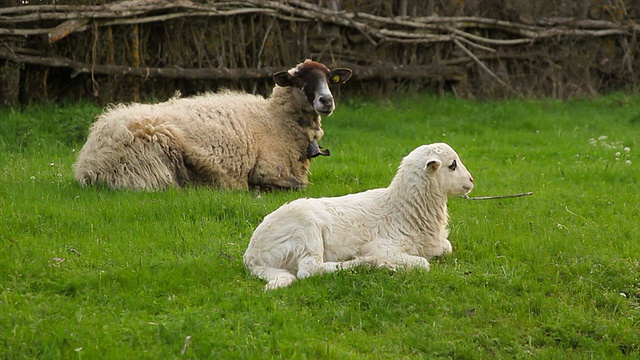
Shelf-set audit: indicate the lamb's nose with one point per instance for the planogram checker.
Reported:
(471, 178)
(326, 100)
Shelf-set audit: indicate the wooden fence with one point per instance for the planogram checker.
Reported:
(135, 50)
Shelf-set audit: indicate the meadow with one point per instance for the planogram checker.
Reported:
(89, 273)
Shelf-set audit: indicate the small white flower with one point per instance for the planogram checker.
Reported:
(603, 137)
(32, 177)
(627, 149)
(628, 162)
(617, 153)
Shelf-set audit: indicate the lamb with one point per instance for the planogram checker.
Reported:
(228, 139)
(403, 225)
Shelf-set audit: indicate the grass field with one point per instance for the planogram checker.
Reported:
(94, 273)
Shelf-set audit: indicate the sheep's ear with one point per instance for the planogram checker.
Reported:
(283, 78)
(340, 76)
(433, 165)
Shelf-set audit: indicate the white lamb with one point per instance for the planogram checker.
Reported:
(401, 225)
(229, 139)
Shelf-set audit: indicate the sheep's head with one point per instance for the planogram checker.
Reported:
(313, 78)
(442, 164)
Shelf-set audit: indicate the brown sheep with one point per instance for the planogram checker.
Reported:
(228, 139)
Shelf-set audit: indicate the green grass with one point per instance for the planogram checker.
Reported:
(94, 273)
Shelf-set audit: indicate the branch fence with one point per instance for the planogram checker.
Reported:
(147, 49)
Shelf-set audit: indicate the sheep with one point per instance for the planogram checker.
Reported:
(402, 225)
(228, 139)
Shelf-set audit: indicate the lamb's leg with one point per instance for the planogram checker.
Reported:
(410, 261)
(314, 265)
(443, 248)
(446, 247)
(276, 278)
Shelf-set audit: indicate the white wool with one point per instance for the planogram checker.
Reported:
(404, 224)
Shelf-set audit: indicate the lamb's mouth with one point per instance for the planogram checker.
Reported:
(314, 150)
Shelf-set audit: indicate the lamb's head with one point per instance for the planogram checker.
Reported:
(313, 79)
(441, 165)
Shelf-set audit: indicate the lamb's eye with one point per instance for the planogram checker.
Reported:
(453, 165)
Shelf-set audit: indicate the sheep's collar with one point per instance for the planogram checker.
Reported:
(313, 150)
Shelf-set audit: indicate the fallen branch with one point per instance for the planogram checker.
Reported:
(442, 72)
(496, 197)
(481, 64)
(145, 72)
(374, 28)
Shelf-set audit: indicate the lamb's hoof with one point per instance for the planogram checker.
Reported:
(279, 282)
(447, 248)
(385, 264)
(380, 263)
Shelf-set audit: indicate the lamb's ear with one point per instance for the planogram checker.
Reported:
(433, 165)
(340, 76)
(283, 78)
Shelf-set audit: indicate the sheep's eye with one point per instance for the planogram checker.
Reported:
(453, 165)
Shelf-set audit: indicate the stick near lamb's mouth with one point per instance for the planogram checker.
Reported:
(496, 197)
(314, 150)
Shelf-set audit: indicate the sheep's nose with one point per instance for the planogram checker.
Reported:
(326, 100)
(471, 178)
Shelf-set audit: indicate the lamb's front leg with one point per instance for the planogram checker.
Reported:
(442, 248)
(396, 255)
(314, 265)
(409, 261)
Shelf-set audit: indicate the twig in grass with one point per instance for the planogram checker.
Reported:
(589, 222)
(496, 197)
(186, 344)
(572, 213)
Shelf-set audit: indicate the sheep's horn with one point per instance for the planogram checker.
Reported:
(314, 150)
